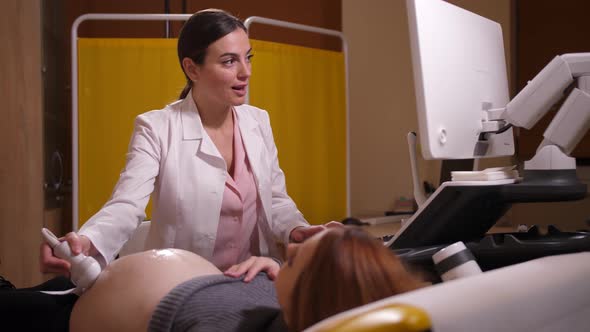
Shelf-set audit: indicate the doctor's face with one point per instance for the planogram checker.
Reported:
(223, 77)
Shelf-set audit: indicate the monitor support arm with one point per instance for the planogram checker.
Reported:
(569, 125)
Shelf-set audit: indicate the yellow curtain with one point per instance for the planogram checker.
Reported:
(302, 88)
(118, 80)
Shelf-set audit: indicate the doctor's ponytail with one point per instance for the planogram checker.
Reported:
(185, 90)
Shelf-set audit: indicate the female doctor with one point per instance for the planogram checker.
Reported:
(208, 161)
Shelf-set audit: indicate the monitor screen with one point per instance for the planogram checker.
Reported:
(459, 70)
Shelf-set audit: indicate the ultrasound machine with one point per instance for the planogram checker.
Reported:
(464, 112)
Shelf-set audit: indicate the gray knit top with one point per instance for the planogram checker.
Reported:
(219, 303)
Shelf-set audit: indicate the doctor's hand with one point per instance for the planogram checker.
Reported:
(49, 263)
(252, 266)
(300, 234)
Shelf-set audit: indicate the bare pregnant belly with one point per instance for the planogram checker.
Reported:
(126, 293)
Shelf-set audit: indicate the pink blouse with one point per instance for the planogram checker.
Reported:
(237, 234)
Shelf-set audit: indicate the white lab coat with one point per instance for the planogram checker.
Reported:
(172, 158)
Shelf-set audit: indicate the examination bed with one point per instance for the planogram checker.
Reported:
(545, 294)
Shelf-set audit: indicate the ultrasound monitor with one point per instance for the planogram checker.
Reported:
(463, 105)
(459, 72)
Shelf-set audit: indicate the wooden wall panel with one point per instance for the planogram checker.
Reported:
(547, 28)
(21, 168)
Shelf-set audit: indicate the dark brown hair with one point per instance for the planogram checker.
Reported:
(201, 30)
(350, 268)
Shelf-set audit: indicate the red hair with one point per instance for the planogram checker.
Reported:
(349, 268)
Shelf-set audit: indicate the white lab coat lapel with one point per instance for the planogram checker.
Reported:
(253, 142)
(254, 145)
(192, 129)
(203, 224)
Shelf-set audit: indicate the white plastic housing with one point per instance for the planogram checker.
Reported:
(550, 157)
(532, 102)
(579, 63)
(465, 269)
(84, 269)
(545, 89)
(459, 72)
(571, 122)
